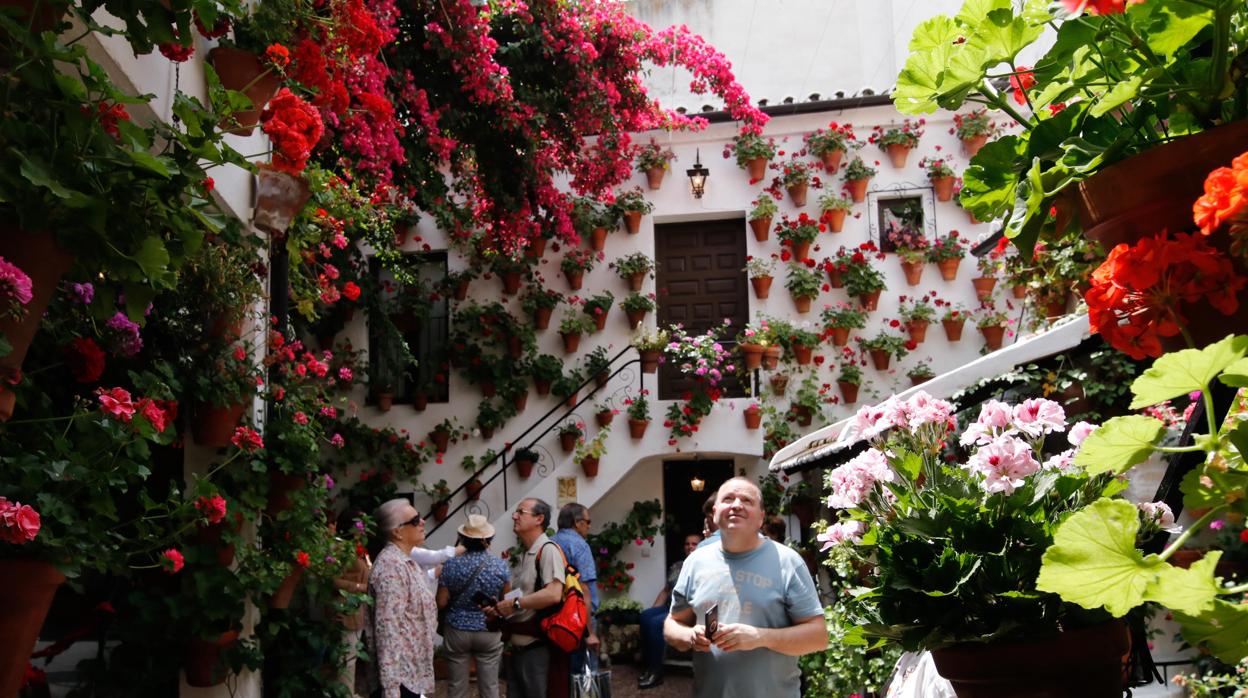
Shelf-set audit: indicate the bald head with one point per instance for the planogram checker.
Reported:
(739, 514)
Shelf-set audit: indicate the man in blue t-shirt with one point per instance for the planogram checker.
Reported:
(573, 525)
(768, 609)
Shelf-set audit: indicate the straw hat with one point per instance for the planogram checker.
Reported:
(477, 527)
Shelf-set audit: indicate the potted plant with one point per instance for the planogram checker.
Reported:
(472, 489)
(224, 381)
(989, 267)
(862, 279)
(655, 161)
(803, 285)
(569, 433)
(857, 177)
(443, 433)
(573, 325)
(753, 416)
(795, 176)
(567, 387)
(953, 317)
(776, 431)
(759, 270)
(489, 418)
(510, 272)
(974, 130)
(836, 265)
(589, 451)
(540, 303)
(991, 323)
(848, 380)
(839, 319)
(593, 220)
(752, 152)
(898, 141)
(525, 459)
(779, 383)
(604, 414)
(514, 387)
(798, 234)
(752, 342)
(440, 493)
(947, 252)
(633, 268)
(800, 343)
(638, 414)
(598, 307)
(917, 312)
(921, 372)
(764, 211)
(635, 308)
(457, 282)
(631, 205)
(832, 211)
(546, 369)
(831, 145)
(912, 249)
(574, 264)
(650, 344)
(807, 402)
(884, 347)
(941, 175)
(598, 366)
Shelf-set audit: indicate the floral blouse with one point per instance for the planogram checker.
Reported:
(404, 621)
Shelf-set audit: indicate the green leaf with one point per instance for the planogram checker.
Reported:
(1173, 25)
(988, 183)
(921, 80)
(71, 87)
(36, 174)
(1001, 36)
(1182, 372)
(1223, 630)
(910, 465)
(1119, 444)
(1093, 561)
(1236, 375)
(1123, 91)
(152, 257)
(148, 162)
(1187, 590)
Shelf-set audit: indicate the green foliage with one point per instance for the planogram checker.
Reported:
(641, 524)
(764, 207)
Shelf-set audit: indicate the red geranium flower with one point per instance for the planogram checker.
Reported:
(278, 55)
(247, 439)
(213, 508)
(171, 561)
(1020, 82)
(294, 126)
(1099, 7)
(85, 359)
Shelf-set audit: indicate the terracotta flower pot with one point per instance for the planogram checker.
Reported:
(1019, 291)
(636, 281)
(637, 427)
(598, 239)
(913, 271)
(604, 418)
(602, 377)
(590, 465)
(420, 400)
(214, 426)
(970, 217)
(857, 189)
(487, 433)
(756, 168)
(488, 389)
(29, 588)
(835, 219)
(802, 303)
(849, 392)
(441, 511)
(571, 400)
(762, 286)
(281, 485)
(779, 382)
(984, 286)
(994, 335)
(801, 250)
(280, 197)
(752, 355)
(880, 358)
(771, 357)
(953, 329)
(212, 535)
(461, 289)
(473, 489)
(870, 301)
(802, 354)
(635, 317)
(632, 222)
(286, 590)
(650, 360)
(440, 439)
(949, 268)
(897, 154)
(761, 228)
(802, 415)
(575, 278)
(511, 282)
(571, 341)
(753, 418)
(1055, 308)
(524, 467)
(567, 442)
(654, 177)
(836, 277)
(537, 248)
(797, 193)
(832, 160)
(542, 386)
(840, 336)
(943, 186)
(972, 144)
(521, 401)
(917, 330)
(203, 658)
(515, 347)
(600, 320)
(541, 318)
(243, 71)
(919, 380)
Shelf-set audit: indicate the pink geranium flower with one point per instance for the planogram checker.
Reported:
(247, 439)
(852, 481)
(1079, 432)
(840, 532)
(1037, 417)
(19, 523)
(15, 286)
(171, 561)
(1004, 464)
(116, 403)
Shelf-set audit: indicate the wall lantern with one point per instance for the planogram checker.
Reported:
(697, 176)
(696, 483)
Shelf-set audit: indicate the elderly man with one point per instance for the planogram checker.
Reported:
(573, 528)
(768, 610)
(404, 615)
(530, 653)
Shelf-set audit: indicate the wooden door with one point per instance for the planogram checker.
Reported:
(701, 281)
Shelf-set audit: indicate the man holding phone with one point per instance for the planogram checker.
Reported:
(758, 604)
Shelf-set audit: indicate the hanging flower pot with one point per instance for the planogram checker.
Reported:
(753, 417)
(835, 219)
(590, 465)
(567, 441)
(802, 354)
(994, 336)
(756, 168)
(654, 177)
(45, 262)
(212, 534)
(881, 359)
(441, 511)
(29, 587)
(286, 590)
(632, 222)
(637, 427)
(575, 278)
(840, 336)
(214, 426)
(601, 378)
(650, 360)
(1019, 291)
(869, 301)
(801, 250)
(984, 286)
(797, 193)
(917, 330)
(919, 380)
(857, 189)
(802, 415)
(537, 247)
(440, 439)
(570, 401)
(779, 382)
(515, 347)
(541, 318)
(524, 467)
(571, 341)
(281, 485)
(761, 228)
(600, 319)
(420, 400)
(971, 217)
(849, 392)
(511, 282)
(898, 154)
(635, 317)
(384, 401)
(762, 286)
(542, 386)
(949, 268)
(487, 433)
(202, 661)
(832, 160)
(771, 357)
(598, 239)
(243, 71)
(488, 389)
(972, 144)
(836, 277)
(473, 489)
(913, 271)
(943, 186)
(635, 281)
(802, 303)
(280, 197)
(752, 355)
(521, 401)
(953, 329)
(604, 417)
(1055, 308)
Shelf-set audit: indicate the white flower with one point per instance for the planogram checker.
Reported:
(1037, 417)
(1159, 513)
(1079, 432)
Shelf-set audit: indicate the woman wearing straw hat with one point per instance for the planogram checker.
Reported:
(467, 581)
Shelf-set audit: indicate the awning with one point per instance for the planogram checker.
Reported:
(1064, 336)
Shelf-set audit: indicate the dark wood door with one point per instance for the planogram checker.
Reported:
(701, 281)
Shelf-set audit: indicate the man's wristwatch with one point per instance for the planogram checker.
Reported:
(515, 604)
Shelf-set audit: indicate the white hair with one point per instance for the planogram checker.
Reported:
(391, 514)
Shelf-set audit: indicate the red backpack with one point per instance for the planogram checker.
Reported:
(564, 623)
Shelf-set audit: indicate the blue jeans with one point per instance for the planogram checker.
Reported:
(652, 644)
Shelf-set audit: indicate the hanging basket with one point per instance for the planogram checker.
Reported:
(29, 587)
(279, 198)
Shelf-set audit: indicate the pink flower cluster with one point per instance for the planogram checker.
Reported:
(839, 533)
(1033, 418)
(15, 285)
(851, 482)
(919, 411)
(19, 523)
(1004, 464)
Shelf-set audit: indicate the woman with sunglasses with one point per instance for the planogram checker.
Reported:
(404, 614)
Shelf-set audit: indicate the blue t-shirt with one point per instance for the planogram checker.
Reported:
(582, 558)
(462, 613)
(767, 587)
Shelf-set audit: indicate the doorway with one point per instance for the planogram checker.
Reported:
(683, 504)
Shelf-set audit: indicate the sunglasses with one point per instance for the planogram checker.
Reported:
(414, 521)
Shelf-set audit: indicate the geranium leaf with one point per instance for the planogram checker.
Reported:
(1119, 444)
(1173, 25)
(921, 80)
(1236, 375)
(1122, 91)
(1093, 561)
(1187, 590)
(1223, 630)
(1189, 370)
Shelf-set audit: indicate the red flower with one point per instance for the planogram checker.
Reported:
(171, 561)
(351, 291)
(1243, 535)
(152, 413)
(1020, 82)
(1226, 190)
(295, 127)
(301, 559)
(213, 508)
(19, 523)
(278, 55)
(85, 359)
(247, 439)
(1099, 7)
(116, 403)
(209, 184)
(177, 52)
